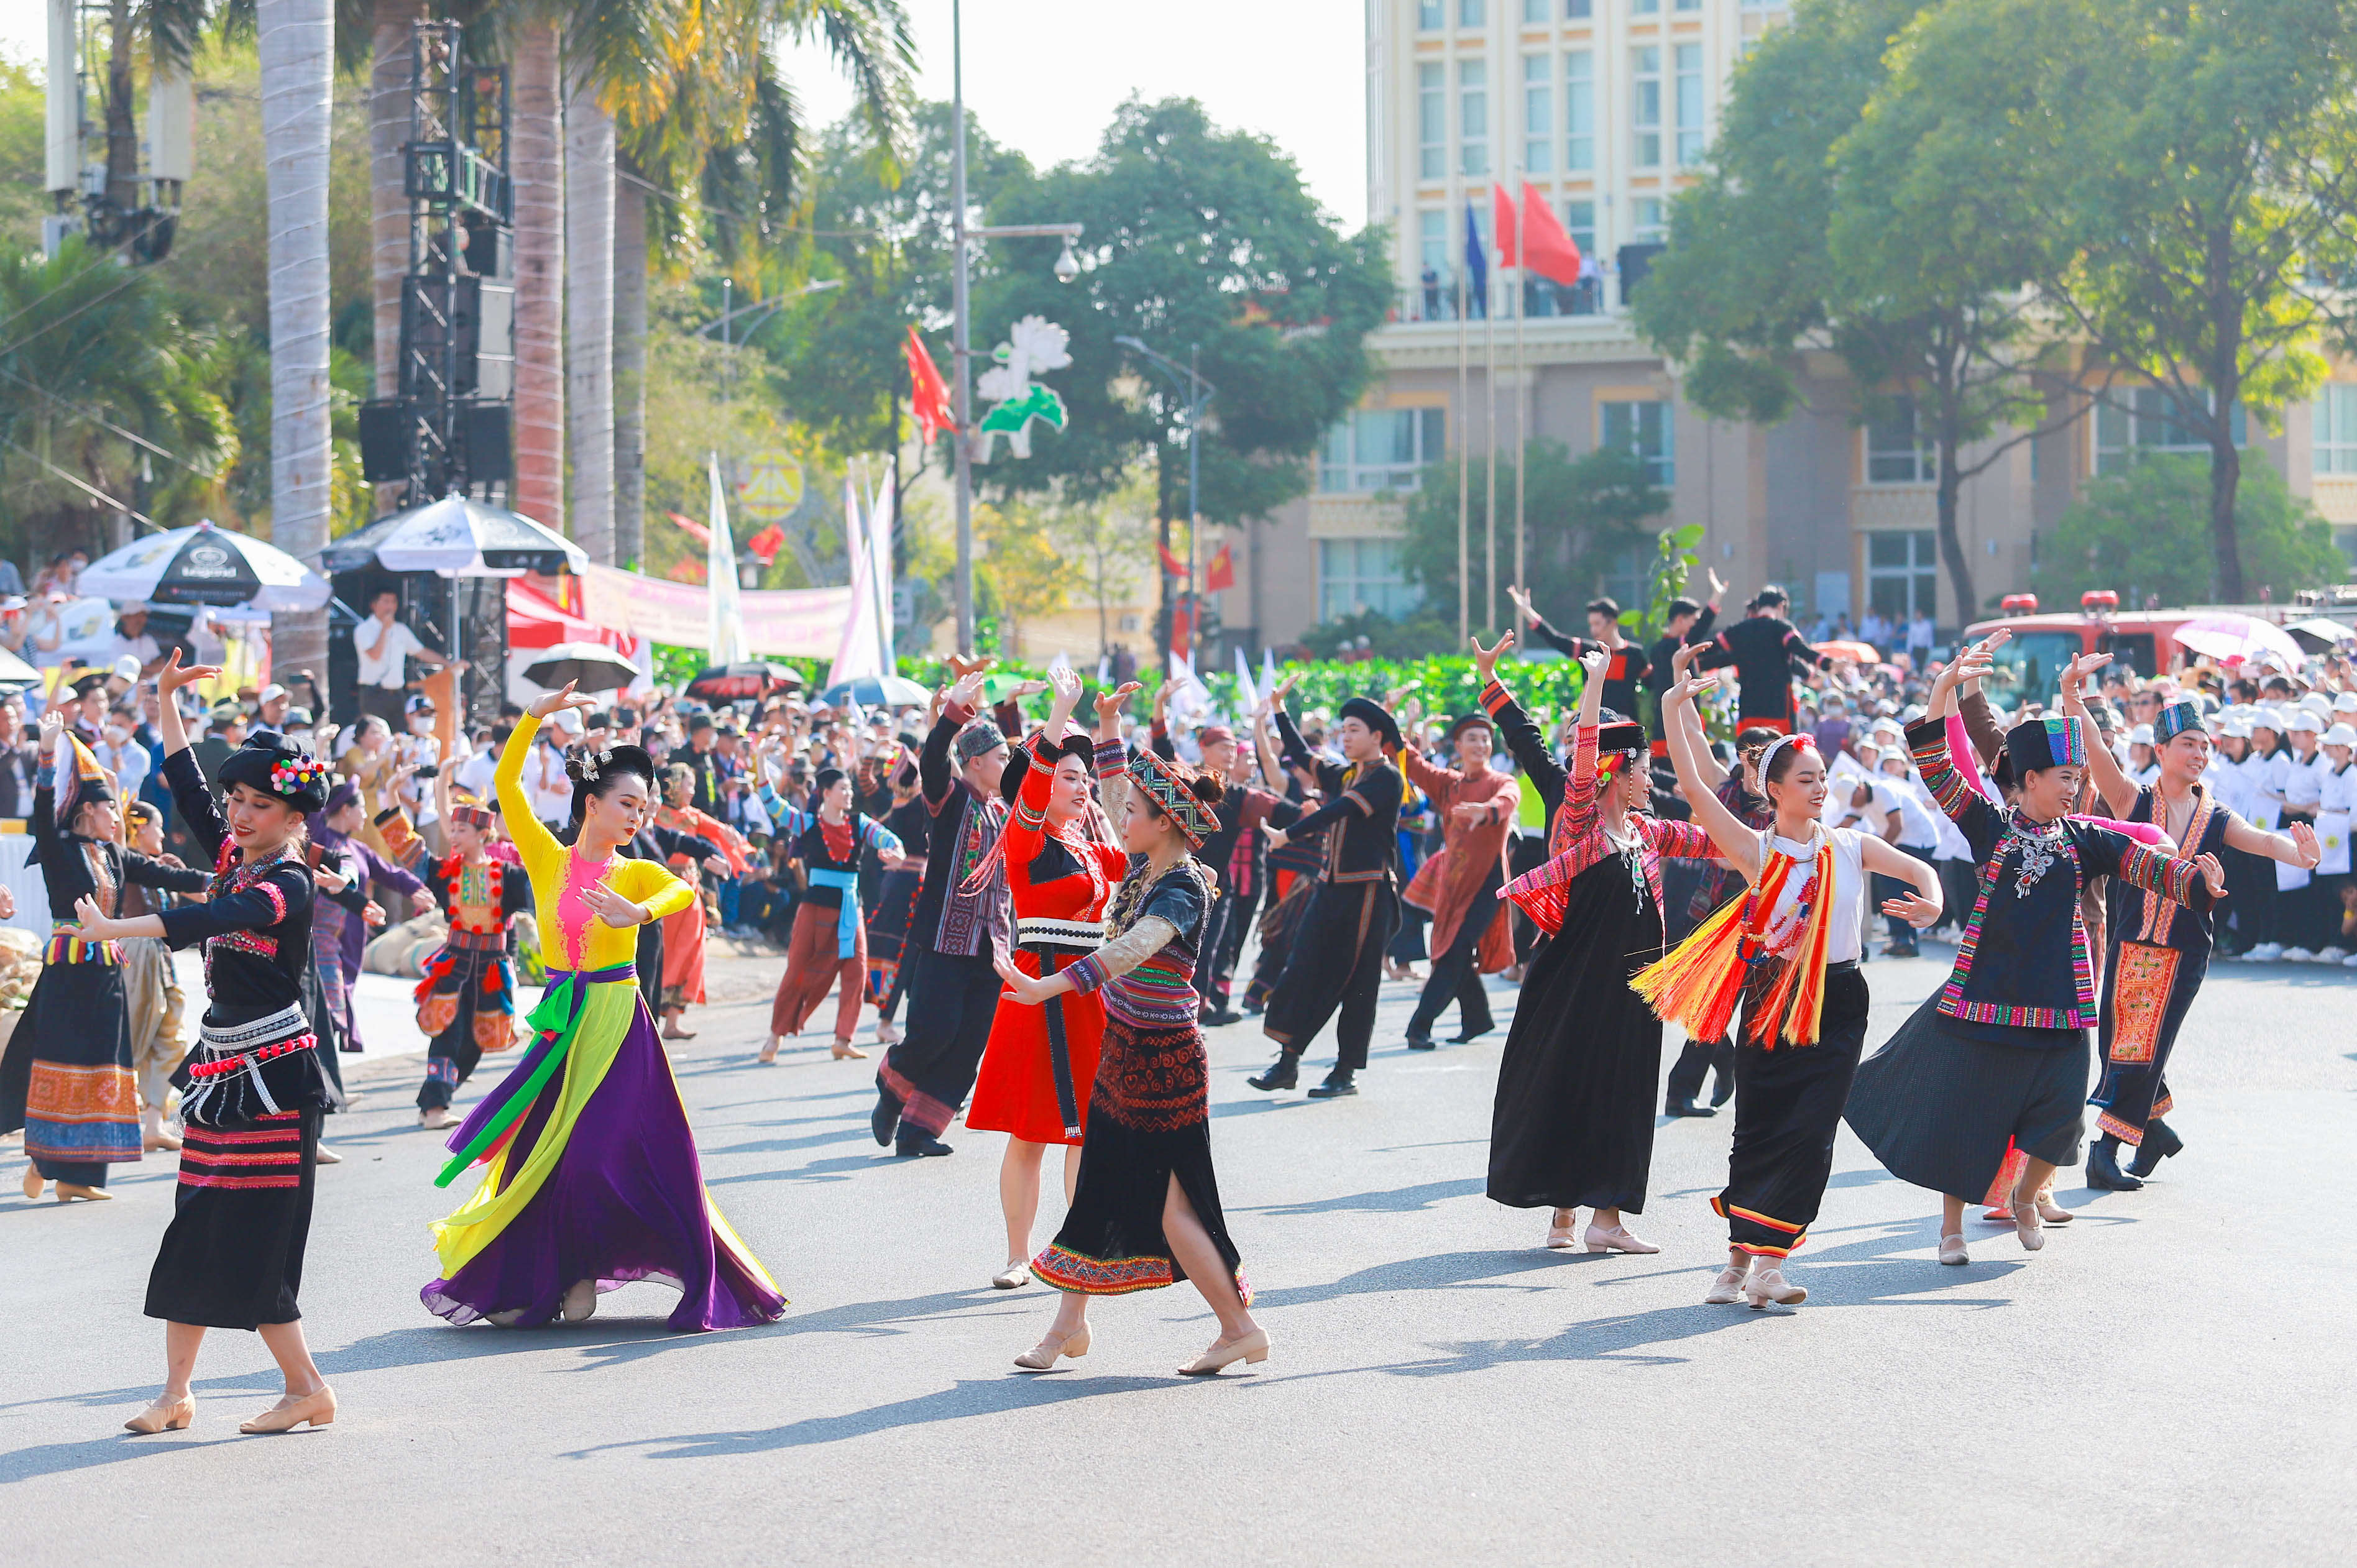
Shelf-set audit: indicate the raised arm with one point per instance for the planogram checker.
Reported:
(1738, 843)
(2118, 790)
(2296, 845)
(1523, 741)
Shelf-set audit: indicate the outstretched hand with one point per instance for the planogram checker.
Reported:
(1914, 909)
(2214, 873)
(2303, 839)
(1110, 703)
(172, 677)
(555, 702)
(1023, 988)
(1485, 660)
(613, 908)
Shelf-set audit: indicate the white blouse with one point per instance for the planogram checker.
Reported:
(1844, 942)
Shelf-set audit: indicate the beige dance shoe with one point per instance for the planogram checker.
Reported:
(844, 1051)
(164, 1416)
(324, 1156)
(1041, 1356)
(1013, 1276)
(435, 1120)
(1951, 1251)
(1563, 1238)
(1728, 1288)
(318, 1408)
(2026, 1224)
(581, 1301)
(71, 1192)
(1619, 1239)
(1252, 1349)
(1767, 1284)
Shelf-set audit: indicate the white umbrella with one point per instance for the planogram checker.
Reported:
(205, 565)
(454, 537)
(2230, 638)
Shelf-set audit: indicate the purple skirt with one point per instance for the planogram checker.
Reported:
(625, 1202)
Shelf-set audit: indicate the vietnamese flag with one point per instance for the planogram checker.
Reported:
(1222, 574)
(1547, 250)
(766, 544)
(1171, 564)
(1502, 223)
(928, 396)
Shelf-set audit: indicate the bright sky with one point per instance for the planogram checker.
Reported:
(1046, 75)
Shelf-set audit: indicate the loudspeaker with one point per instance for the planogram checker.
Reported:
(384, 439)
(1636, 260)
(485, 427)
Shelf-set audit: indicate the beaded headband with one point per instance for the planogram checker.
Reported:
(1153, 775)
(1779, 744)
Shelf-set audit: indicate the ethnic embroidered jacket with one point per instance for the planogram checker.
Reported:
(2149, 917)
(1146, 970)
(963, 828)
(256, 924)
(2024, 962)
(1578, 840)
(1362, 809)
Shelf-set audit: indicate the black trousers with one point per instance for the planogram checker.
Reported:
(1214, 935)
(1455, 976)
(1787, 1106)
(1695, 1063)
(2251, 899)
(1336, 964)
(1903, 935)
(951, 1000)
(1230, 951)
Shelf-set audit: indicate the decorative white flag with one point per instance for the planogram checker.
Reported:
(727, 627)
(880, 522)
(1247, 694)
(858, 654)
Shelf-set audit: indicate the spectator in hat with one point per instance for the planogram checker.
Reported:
(20, 761)
(224, 734)
(134, 640)
(85, 711)
(13, 625)
(270, 706)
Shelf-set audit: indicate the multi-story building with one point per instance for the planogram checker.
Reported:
(1607, 108)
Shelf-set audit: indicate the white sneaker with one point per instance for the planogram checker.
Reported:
(2350, 962)
(2266, 952)
(2330, 955)
(2297, 955)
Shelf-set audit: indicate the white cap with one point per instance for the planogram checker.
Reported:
(126, 669)
(2316, 702)
(2234, 726)
(2340, 734)
(2345, 703)
(2140, 735)
(2306, 719)
(132, 608)
(2270, 718)
(1892, 754)
(271, 692)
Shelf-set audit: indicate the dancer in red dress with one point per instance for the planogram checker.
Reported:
(1036, 1069)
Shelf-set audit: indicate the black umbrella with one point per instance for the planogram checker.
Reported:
(590, 666)
(205, 565)
(757, 679)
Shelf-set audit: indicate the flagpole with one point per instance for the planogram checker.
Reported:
(1464, 458)
(1489, 429)
(1521, 390)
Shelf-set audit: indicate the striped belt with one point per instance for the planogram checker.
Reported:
(1039, 935)
(1055, 942)
(66, 947)
(225, 1050)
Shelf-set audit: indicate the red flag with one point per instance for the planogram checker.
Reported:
(696, 529)
(1547, 250)
(766, 544)
(1222, 574)
(1170, 563)
(931, 398)
(1501, 217)
(1182, 626)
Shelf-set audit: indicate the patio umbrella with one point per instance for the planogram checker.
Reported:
(205, 565)
(14, 671)
(454, 537)
(877, 691)
(2232, 638)
(1858, 652)
(590, 666)
(2319, 634)
(758, 678)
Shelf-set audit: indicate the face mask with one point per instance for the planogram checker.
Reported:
(301, 738)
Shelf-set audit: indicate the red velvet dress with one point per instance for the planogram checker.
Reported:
(1060, 881)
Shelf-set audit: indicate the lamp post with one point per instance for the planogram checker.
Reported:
(1198, 393)
(1067, 267)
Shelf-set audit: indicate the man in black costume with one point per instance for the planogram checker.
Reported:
(1767, 651)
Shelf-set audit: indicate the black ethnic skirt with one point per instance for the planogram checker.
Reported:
(1149, 1121)
(1941, 1109)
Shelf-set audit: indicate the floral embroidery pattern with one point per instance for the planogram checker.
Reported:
(2037, 859)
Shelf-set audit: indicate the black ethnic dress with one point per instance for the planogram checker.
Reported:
(253, 1090)
(1149, 1111)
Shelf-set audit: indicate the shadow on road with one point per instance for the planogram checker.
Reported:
(1398, 1200)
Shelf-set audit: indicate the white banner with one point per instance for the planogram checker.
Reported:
(807, 622)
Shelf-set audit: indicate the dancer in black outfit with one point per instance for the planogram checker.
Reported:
(1767, 651)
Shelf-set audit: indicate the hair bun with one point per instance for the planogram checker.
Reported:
(1208, 787)
(583, 765)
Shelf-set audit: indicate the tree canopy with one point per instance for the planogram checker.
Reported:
(2144, 531)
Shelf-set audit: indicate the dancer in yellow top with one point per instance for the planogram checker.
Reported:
(591, 1177)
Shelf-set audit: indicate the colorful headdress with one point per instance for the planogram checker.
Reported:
(979, 739)
(463, 808)
(80, 780)
(271, 764)
(1169, 792)
(2175, 720)
(2052, 742)
(1617, 744)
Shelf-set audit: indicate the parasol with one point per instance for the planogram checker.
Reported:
(590, 666)
(204, 566)
(1857, 652)
(877, 691)
(757, 678)
(454, 537)
(2231, 639)
(2319, 634)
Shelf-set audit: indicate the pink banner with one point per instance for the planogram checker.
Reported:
(806, 621)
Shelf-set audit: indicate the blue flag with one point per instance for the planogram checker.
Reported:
(1476, 268)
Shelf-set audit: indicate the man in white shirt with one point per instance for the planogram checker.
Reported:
(2302, 773)
(543, 771)
(132, 639)
(474, 775)
(384, 646)
(120, 753)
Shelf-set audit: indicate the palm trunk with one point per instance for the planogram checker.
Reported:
(630, 370)
(122, 128)
(390, 22)
(589, 311)
(296, 39)
(538, 170)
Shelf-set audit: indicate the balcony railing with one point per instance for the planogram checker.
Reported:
(1437, 300)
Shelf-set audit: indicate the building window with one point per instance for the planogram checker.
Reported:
(1432, 296)
(1688, 5)
(2336, 428)
(1579, 222)
(1431, 123)
(1902, 575)
(1644, 429)
(1578, 110)
(1536, 10)
(1899, 451)
(1644, 8)
(1359, 574)
(1473, 116)
(1469, 13)
(1429, 15)
(1645, 105)
(2150, 425)
(1689, 104)
(1578, 10)
(1380, 449)
(1647, 229)
(1538, 114)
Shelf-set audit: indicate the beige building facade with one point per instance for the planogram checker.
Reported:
(1606, 107)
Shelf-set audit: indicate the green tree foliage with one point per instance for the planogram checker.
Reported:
(2145, 531)
(2180, 176)
(1585, 514)
(1193, 236)
(1816, 223)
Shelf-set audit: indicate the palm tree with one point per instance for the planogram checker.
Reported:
(297, 43)
(390, 24)
(589, 303)
(536, 165)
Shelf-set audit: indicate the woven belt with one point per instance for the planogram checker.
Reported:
(466, 940)
(1037, 934)
(227, 1050)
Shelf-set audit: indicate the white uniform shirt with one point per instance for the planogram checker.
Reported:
(386, 670)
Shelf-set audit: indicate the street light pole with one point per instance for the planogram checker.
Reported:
(1198, 393)
(1067, 267)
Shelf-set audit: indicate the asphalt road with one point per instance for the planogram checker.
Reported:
(2167, 1382)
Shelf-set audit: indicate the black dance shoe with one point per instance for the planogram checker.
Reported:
(1686, 1108)
(1337, 1084)
(1283, 1073)
(887, 1117)
(1252, 1009)
(1220, 1018)
(914, 1141)
(1466, 1035)
(2158, 1143)
(1722, 1085)
(2103, 1171)
(1420, 1043)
